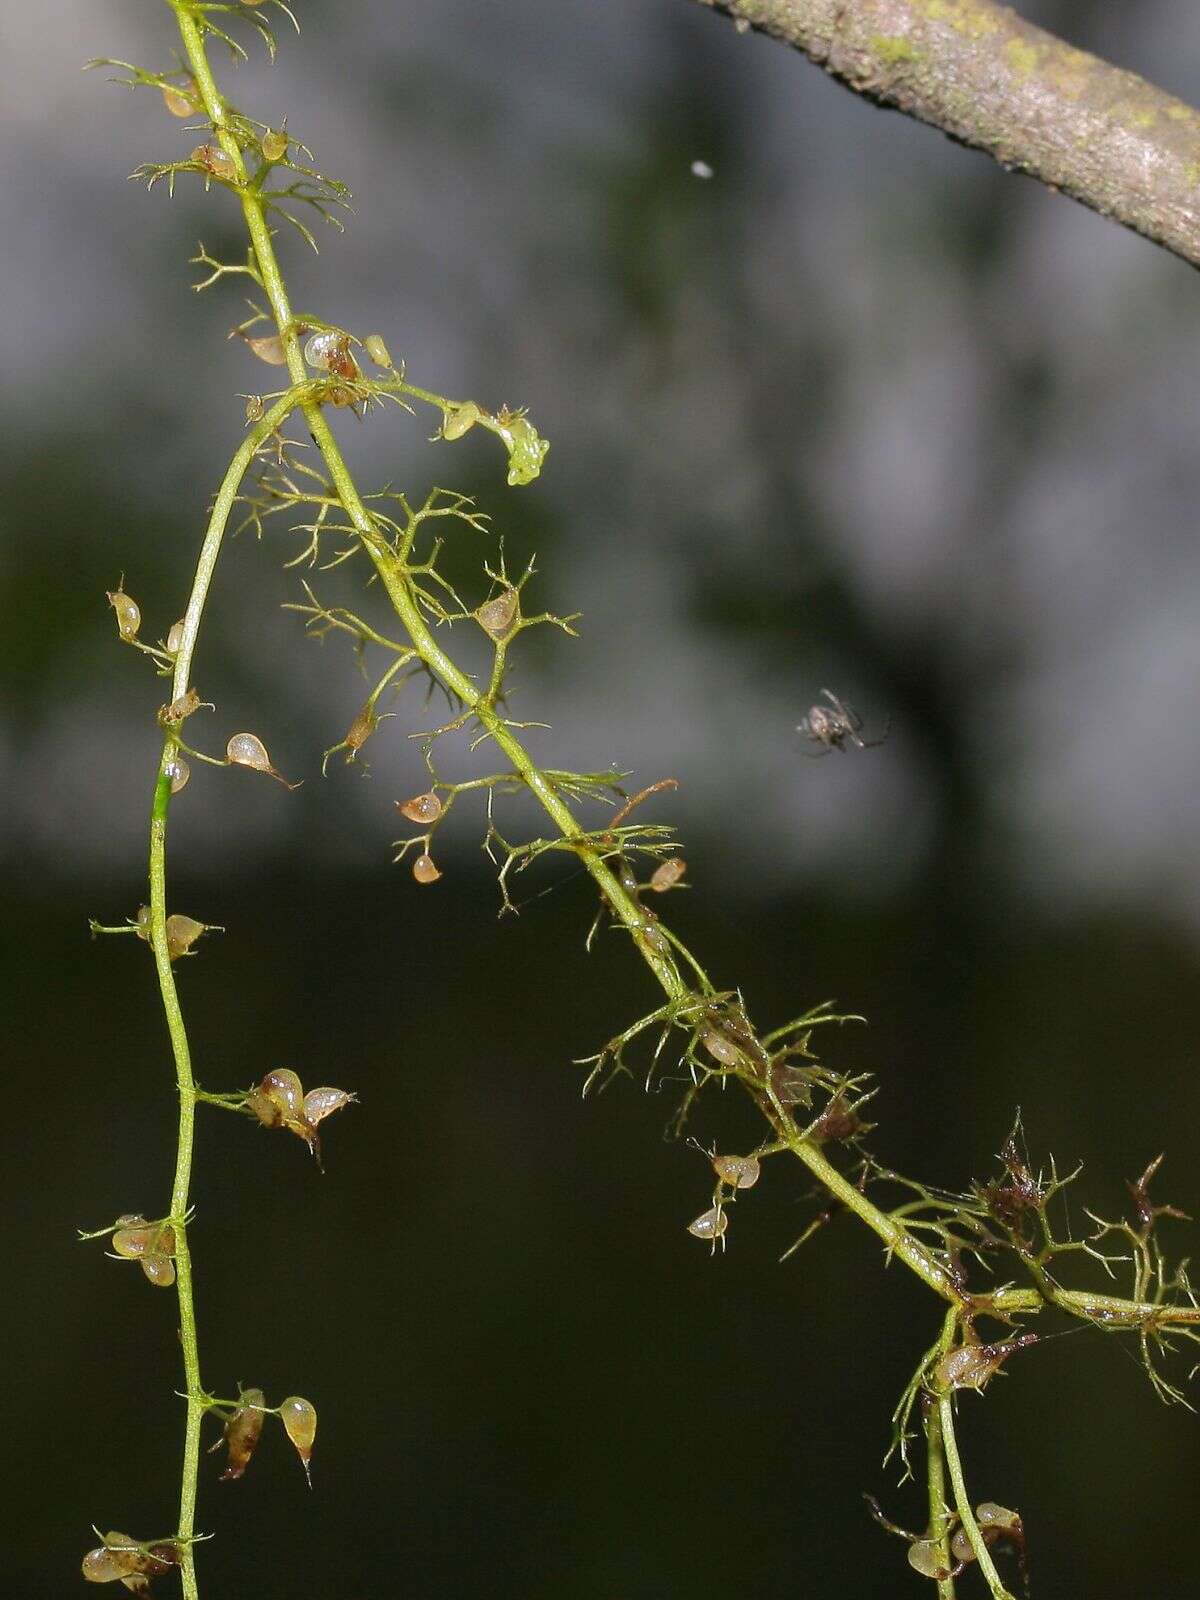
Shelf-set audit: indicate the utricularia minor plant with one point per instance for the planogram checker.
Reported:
(1011, 1225)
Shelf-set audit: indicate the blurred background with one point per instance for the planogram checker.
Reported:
(857, 411)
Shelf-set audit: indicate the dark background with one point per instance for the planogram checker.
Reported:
(859, 411)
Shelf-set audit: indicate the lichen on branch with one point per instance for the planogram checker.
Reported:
(990, 80)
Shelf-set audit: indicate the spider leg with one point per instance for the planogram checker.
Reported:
(849, 721)
(815, 755)
(870, 744)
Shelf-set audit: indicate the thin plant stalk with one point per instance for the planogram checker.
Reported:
(962, 1501)
(181, 1186)
(935, 1473)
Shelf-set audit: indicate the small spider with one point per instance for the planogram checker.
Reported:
(833, 725)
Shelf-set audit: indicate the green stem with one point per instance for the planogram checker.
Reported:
(899, 1241)
(935, 1472)
(962, 1501)
(397, 582)
(183, 1168)
(1108, 1312)
(181, 1187)
(939, 1515)
(896, 1237)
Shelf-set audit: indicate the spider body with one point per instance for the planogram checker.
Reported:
(834, 726)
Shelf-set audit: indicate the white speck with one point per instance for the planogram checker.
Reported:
(701, 169)
(742, 24)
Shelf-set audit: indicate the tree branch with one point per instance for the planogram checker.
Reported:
(990, 80)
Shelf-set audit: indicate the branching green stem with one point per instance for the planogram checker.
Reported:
(896, 1238)
(655, 947)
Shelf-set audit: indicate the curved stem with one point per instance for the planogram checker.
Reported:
(899, 1241)
(894, 1235)
(183, 1169)
(181, 1186)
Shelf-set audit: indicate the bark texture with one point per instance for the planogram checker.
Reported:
(987, 78)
